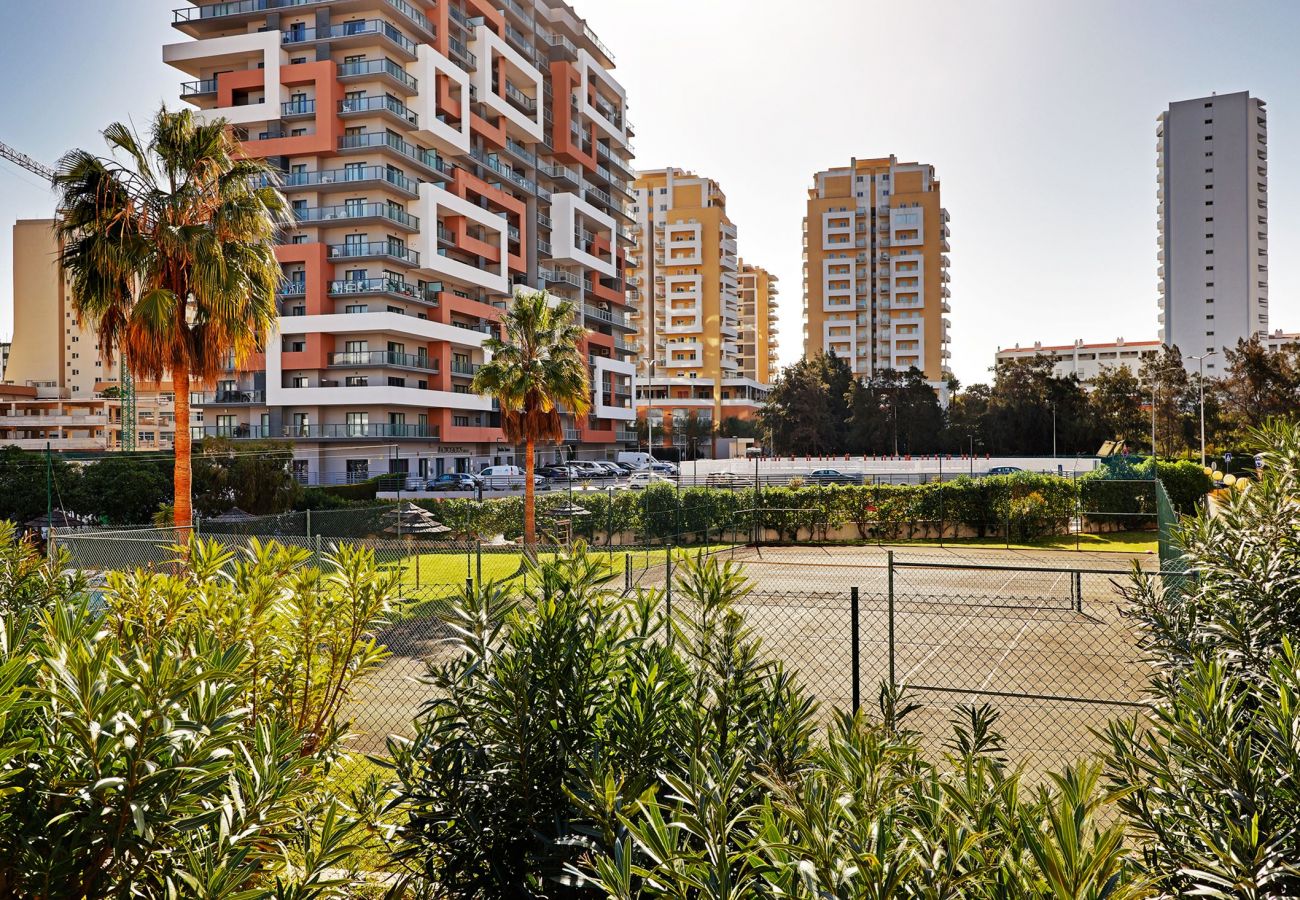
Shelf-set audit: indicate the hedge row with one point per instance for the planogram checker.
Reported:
(1022, 506)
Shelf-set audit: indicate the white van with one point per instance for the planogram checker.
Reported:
(634, 458)
(497, 478)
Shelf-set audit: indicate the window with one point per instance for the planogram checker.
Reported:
(357, 308)
(300, 381)
(357, 424)
(356, 381)
(461, 421)
(394, 381)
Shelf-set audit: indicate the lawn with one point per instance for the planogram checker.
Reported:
(432, 569)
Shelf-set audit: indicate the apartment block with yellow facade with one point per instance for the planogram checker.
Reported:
(875, 288)
(57, 391)
(758, 338)
(685, 277)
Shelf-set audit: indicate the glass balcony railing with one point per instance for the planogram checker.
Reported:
(381, 286)
(427, 158)
(380, 104)
(195, 88)
(383, 358)
(359, 28)
(344, 176)
(374, 248)
(349, 211)
(383, 66)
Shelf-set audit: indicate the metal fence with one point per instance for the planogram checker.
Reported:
(1041, 637)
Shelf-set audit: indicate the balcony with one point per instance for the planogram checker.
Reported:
(386, 68)
(350, 180)
(467, 369)
(228, 398)
(461, 53)
(344, 33)
(525, 103)
(391, 286)
(385, 104)
(389, 250)
(296, 108)
(198, 88)
(355, 212)
(364, 430)
(364, 358)
(371, 140)
(239, 431)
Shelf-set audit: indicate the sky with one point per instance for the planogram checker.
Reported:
(1038, 115)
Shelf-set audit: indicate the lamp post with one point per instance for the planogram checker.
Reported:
(1153, 418)
(1200, 386)
(649, 417)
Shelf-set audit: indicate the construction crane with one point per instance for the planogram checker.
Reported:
(126, 384)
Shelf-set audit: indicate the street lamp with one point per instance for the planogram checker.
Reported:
(1200, 385)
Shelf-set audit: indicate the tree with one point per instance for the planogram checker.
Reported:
(1259, 384)
(801, 415)
(536, 371)
(736, 427)
(1031, 410)
(1164, 378)
(1117, 406)
(967, 416)
(255, 476)
(169, 245)
(122, 490)
(24, 477)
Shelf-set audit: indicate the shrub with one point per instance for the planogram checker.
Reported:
(177, 742)
(1211, 784)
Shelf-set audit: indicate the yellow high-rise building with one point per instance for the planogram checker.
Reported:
(875, 288)
(685, 273)
(758, 340)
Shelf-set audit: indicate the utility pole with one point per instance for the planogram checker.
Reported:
(49, 501)
(1200, 385)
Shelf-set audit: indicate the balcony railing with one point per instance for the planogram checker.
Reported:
(378, 104)
(374, 248)
(358, 211)
(383, 358)
(195, 88)
(426, 158)
(378, 67)
(345, 176)
(227, 398)
(381, 286)
(527, 103)
(464, 368)
(240, 431)
(350, 29)
(298, 108)
(380, 430)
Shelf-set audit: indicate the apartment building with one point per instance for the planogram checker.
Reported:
(875, 288)
(56, 389)
(1212, 200)
(758, 319)
(689, 325)
(1086, 360)
(5, 347)
(437, 156)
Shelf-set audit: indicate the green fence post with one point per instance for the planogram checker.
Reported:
(478, 560)
(890, 560)
(627, 573)
(855, 649)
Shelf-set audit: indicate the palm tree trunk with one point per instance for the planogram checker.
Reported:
(530, 501)
(182, 510)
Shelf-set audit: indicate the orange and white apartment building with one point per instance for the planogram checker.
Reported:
(436, 155)
(758, 332)
(875, 288)
(686, 273)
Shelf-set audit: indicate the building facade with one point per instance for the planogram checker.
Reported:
(875, 289)
(758, 321)
(689, 321)
(1086, 360)
(1212, 200)
(436, 157)
(56, 389)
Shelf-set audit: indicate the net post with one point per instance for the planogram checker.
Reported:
(627, 573)
(855, 649)
(890, 560)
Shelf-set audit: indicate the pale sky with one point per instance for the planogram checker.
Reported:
(1039, 116)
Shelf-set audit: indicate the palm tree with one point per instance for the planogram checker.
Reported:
(169, 246)
(536, 371)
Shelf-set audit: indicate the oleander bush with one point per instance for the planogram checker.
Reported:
(174, 737)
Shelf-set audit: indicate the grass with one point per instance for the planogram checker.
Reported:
(1115, 542)
(432, 569)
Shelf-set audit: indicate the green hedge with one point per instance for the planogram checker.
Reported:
(1020, 507)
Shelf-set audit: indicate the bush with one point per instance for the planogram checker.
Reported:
(1211, 784)
(177, 741)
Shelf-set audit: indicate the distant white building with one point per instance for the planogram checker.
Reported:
(1086, 360)
(1279, 339)
(4, 357)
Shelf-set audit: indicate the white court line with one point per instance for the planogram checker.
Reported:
(1012, 646)
(938, 648)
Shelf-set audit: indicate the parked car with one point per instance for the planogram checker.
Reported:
(454, 481)
(638, 480)
(665, 468)
(728, 480)
(587, 469)
(610, 470)
(1004, 470)
(498, 478)
(833, 476)
(557, 472)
